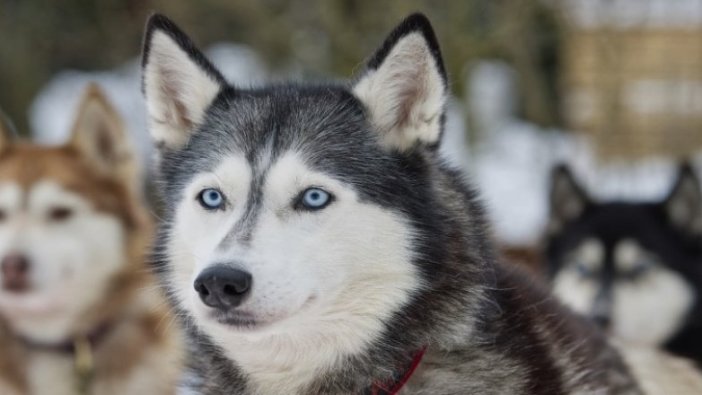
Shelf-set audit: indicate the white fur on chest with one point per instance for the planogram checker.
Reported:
(282, 367)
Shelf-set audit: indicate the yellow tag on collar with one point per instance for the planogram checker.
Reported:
(83, 362)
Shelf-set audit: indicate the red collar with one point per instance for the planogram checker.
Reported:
(392, 387)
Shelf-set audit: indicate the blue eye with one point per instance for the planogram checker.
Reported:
(315, 199)
(211, 199)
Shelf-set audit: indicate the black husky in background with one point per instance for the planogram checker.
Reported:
(634, 268)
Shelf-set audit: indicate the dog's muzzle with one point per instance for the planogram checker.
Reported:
(223, 287)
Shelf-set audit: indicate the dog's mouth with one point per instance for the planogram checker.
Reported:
(30, 303)
(238, 319)
(242, 319)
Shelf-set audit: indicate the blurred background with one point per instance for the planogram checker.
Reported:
(613, 87)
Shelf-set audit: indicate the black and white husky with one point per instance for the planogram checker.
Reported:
(634, 268)
(315, 243)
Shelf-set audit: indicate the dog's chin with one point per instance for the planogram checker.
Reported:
(32, 304)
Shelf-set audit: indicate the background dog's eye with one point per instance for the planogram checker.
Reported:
(60, 213)
(211, 199)
(638, 269)
(585, 270)
(314, 199)
(3, 215)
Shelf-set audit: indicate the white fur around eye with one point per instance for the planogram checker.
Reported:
(200, 230)
(589, 255)
(10, 198)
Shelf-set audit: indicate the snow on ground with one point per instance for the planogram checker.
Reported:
(509, 165)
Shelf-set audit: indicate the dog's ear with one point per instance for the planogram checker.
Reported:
(567, 199)
(7, 131)
(179, 83)
(99, 135)
(404, 86)
(683, 205)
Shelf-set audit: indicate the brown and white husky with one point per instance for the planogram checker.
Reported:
(78, 311)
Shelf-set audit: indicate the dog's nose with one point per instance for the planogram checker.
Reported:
(602, 308)
(223, 287)
(15, 273)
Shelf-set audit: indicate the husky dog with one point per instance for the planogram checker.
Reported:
(316, 244)
(634, 268)
(78, 308)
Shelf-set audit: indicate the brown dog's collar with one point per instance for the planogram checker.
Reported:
(81, 348)
(74, 344)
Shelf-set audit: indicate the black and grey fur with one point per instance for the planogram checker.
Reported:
(635, 268)
(486, 327)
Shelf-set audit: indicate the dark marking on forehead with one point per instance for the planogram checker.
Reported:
(242, 231)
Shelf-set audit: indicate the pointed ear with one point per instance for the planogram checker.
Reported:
(567, 199)
(684, 203)
(179, 83)
(404, 86)
(100, 137)
(8, 133)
